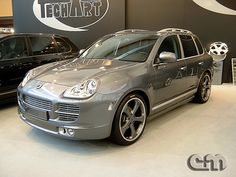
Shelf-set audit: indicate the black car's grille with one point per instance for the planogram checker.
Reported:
(38, 103)
(68, 112)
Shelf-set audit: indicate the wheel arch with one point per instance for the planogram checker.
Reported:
(128, 94)
(140, 92)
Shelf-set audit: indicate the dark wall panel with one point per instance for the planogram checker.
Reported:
(209, 26)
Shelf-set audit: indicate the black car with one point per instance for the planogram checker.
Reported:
(21, 52)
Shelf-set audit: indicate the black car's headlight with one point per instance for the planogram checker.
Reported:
(82, 91)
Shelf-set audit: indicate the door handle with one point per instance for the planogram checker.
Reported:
(183, 68)
(201, 63)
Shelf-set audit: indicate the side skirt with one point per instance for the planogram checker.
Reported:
(172, 103)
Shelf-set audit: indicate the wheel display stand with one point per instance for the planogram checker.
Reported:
(233, 61)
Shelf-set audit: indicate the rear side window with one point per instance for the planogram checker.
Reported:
(42, 45)
(13, 48)
(199, 45)
(62, 45)
(188, 46)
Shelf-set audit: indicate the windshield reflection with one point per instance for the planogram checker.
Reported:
(124, 47)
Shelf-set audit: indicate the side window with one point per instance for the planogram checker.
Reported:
(170, 44)
(199, 45)
(42, 45)
(13, 48)
(188, 46)
(62, 45)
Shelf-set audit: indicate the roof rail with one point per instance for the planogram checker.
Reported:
(131, 30)
(176, 30)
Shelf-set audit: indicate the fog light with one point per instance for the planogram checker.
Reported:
(70, 131)
(66, 131)
(61, 131)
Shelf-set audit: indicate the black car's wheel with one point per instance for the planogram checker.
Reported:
(130, 120)
(204, 89)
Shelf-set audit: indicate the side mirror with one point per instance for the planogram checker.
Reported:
(167, 57)
(81, 51)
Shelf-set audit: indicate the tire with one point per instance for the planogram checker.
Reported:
(129, 121)
(204, 89)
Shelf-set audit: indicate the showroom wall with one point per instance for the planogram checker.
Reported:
(82, 21)
(211, 20)
(203, 20)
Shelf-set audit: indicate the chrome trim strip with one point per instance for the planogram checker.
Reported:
(174, 99)
(5, 93)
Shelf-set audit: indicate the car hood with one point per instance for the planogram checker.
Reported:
(79, 70)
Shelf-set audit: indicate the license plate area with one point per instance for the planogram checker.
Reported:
(38, 114)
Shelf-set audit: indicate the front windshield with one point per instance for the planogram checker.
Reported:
(125, 47)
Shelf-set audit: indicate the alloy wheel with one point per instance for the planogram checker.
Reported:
(132, 119)
(206, 87)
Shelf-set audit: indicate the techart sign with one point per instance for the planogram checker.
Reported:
(70, 15)
(216, 6)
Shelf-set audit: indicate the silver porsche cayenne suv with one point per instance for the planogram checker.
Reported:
(112, 88)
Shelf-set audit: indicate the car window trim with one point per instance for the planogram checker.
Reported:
(186, 58)
(54, 37)
(157, 46)
(195, 37)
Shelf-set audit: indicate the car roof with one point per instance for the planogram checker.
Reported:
(166, 31)
(31, 34)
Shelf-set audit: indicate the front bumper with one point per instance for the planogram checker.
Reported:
(92, 118)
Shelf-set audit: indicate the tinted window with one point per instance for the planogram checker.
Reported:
(42, 45)
(188, 46)
(62, 45)
(170, 44)
(199, 45)
(13, 48)
(125, 47)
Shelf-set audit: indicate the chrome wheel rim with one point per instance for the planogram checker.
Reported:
(132, 119)
(206, 88)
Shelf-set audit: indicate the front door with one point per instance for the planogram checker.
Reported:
(169, 77)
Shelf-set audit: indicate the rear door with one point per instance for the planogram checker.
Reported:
(193, 57)
(43, 50)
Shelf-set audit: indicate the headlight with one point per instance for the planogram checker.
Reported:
(82, 91)
(28, 76)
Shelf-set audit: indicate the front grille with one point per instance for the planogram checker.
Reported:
(67, 117)
(38, 103)
(68, 112)
(43, 109)
(71, 108)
